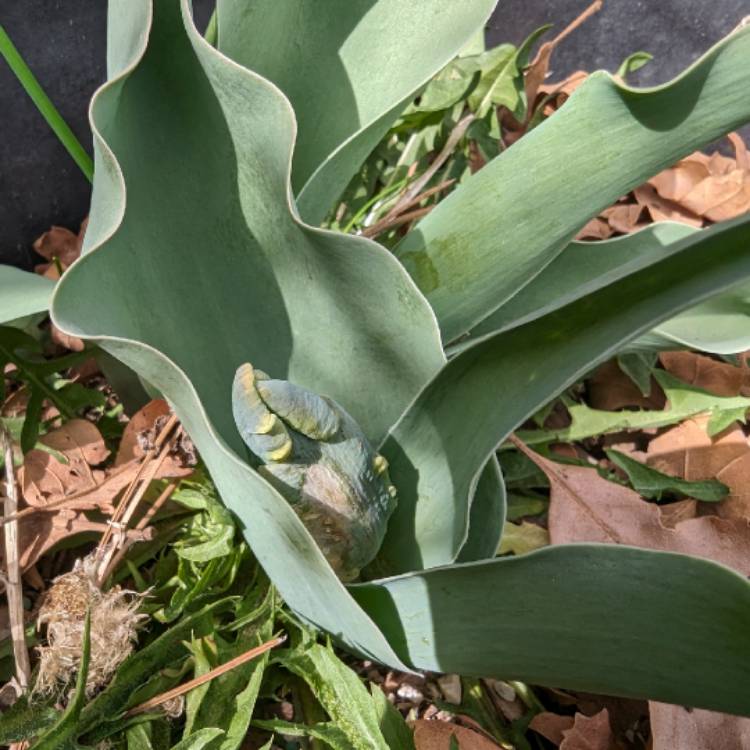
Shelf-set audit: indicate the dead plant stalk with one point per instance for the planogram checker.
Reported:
(202, 679)
(13, 585)
(148, 470)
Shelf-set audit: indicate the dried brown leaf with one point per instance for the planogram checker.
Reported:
(712, 188)
(436, 735)
(39, 533)
(610, 389)
(663, 209)
(596, 229)
(565, 87)
(141, 432)
(585, 507)
(59, 244)
(590, 733)
(539, 67)
(45, 479)
(678, 728)
(720, 378)
(625, 217)
(551, 726)
(675, 183)
(66, 341)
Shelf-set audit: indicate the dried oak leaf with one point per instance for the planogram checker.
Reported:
(714, 188)
(585, 507)
(436, 735)
(45, 479)
(720, 378)
(39, 533)
(663, 209)
(61, 244)
(595, 229)
(551, 726)
(590, 733)
(610, 389)
(678, 728)
(537, 71)
(140, 435)
(61, 248)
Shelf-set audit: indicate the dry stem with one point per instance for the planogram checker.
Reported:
(413, 191)
(196, 682)
(14, 586)
(132, 497)
(152, 511)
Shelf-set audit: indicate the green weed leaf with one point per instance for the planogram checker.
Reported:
(653, 484)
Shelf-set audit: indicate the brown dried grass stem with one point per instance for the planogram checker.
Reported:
(134, 493)
(217, 672)
(386, 224)
(407, 199)
(14, 585)
(152, 511)
(595, 7)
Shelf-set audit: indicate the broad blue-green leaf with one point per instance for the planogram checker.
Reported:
(481, 395)
(348, 69)
(486, 515)
(509, 220)
(197, 152)
(22, 293)
(606, 619)
(201, 150)
(720, 325)
(582, 268)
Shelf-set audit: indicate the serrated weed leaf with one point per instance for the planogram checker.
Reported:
(341, 693)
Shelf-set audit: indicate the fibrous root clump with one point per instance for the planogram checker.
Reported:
(114, 626)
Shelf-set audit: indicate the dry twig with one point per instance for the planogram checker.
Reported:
(148, 470)
(408, 198)
(170, 695)
(152, 511)
(13, 585)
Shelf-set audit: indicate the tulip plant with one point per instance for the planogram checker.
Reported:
(215, 166)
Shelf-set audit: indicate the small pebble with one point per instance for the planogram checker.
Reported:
(410, 693)
(450, 686)
(503, 689)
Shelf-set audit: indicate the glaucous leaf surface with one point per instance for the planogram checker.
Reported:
(198, 262)
(720, 325)
(600, 618)
(22, 293)
(204, 266)
(480, 245)
(348, 67)
(486, 391)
